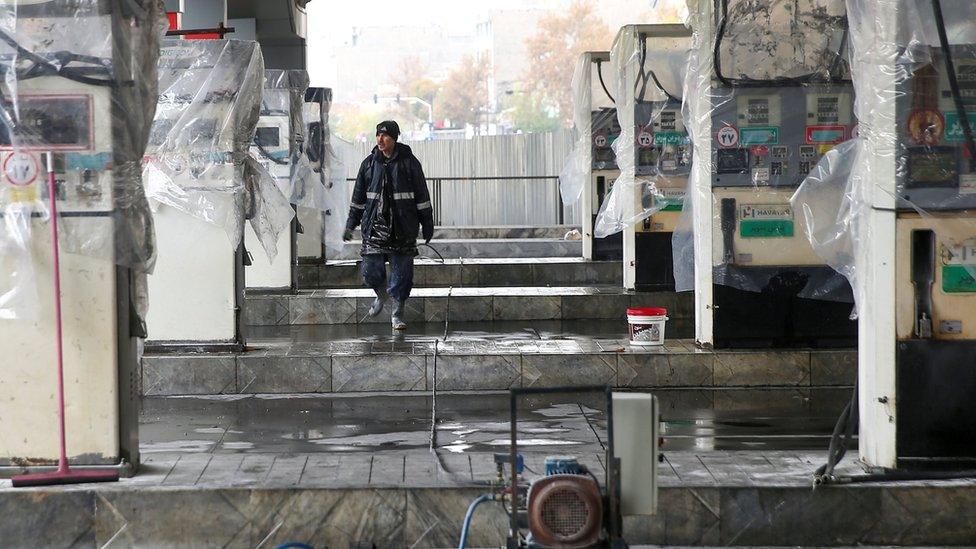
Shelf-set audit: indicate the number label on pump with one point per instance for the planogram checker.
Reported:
(728, 136)
(20, 169)
(959, 266)
(645, 140)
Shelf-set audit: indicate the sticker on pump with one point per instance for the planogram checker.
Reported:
(645, 139)
(953, 124)
(20, 168)
(820, 135)
(926, 126)
(959, 266)
(967, 183)
(727, 136)
(765, 221)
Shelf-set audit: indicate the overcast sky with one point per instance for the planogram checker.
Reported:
(331, 21)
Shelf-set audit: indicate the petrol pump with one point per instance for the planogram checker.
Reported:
(209, 102)
(77, 86)
(593, 164)
(277, 141)
(310, 195)
(915, 70)
(771, 94)
(651, 63)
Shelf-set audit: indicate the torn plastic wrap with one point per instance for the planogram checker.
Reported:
(278, 139)
(209, 102)
(594, 122)
(267, 209)
(322, 191)
(79, 80)
(770, 97)
(912, 160)
(653, 151)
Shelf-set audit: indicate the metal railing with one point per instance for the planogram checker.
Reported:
(527, 200)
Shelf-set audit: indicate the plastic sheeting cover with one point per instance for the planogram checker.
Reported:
(199, 160)
(79, 79)
(324, 188)
(593, 117)
(913, 154)
(765, 98)
(653, 151)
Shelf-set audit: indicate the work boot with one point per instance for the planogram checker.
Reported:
(377, 306)
(398, 323)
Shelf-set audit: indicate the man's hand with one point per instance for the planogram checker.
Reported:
(428, 234)
(347, 235)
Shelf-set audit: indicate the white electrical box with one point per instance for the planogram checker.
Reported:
(636, 428)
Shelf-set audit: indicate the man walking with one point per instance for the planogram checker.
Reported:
(391, 201)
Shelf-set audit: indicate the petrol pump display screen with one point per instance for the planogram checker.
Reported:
(267, 136)
(966, 77)
(828, 110)
(933, 167)
(757, 113)
(61, 122)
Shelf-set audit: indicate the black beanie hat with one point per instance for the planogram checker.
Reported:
(389, 127)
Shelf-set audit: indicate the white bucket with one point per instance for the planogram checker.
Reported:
(647, 325)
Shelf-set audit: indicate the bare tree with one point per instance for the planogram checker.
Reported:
(553, 50)
(464, 93)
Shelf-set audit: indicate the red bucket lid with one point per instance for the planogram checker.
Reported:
(647, 311)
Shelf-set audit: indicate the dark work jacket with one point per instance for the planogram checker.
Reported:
(391, 201)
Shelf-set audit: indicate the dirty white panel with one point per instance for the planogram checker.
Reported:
(263, 273)
(310, 242)
(191, 291)
(28, 375)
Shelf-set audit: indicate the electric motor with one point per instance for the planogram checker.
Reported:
(565, 511)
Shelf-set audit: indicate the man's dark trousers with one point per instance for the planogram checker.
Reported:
(401, 275)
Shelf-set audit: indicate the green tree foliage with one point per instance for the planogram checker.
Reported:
(528, 113)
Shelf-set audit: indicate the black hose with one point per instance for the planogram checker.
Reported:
(43, 67)
(954, 84)
(264, 152)
(439, 256)
(599, 73)
(661, 87)
(761, 83)
(838, 446)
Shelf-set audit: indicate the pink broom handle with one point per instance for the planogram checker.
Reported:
(51, 192)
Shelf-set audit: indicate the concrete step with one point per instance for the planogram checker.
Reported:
(473, 359)
(501, 231)
(418, 499)
(349, 306)
(485, 247)
(552, 271)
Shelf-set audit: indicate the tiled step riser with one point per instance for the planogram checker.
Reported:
(305, 372)
(733, 515)
(461, 275)
(277, 310)
(485, 249)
